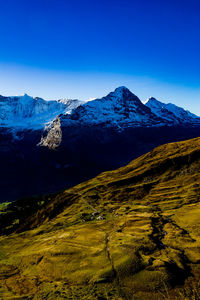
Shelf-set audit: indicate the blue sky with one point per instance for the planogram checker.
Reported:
(82, 49)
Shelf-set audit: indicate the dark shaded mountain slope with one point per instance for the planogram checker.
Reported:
(82, 141)
(28, 170)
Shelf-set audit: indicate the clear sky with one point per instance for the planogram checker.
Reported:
(86, 48)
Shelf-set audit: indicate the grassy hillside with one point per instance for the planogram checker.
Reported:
(132, 233)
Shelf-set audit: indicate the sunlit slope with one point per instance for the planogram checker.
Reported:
(132, 233)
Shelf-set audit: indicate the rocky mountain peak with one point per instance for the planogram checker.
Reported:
(121, 90)
(152, 100)
(172, 113)
(124, 94)
(120, 108)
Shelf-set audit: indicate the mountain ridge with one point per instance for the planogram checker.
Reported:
(120, 108)
(124, 109)
(32, 113)
(172, 112)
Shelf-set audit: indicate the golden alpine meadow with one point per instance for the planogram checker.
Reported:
(132, 233)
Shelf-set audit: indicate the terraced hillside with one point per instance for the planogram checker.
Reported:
(132, 233)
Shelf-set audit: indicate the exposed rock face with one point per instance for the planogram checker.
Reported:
(54, 136)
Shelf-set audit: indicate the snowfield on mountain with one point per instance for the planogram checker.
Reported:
(32, 113)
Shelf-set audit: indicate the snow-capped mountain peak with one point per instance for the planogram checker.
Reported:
(24, 97)
(119, 108)
(172, 113)
(122, 93)
(28, 112)
(153, 102)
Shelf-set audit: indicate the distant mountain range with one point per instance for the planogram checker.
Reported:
(28, 112)
(120, 109)
(49, 145)
(124, 109)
